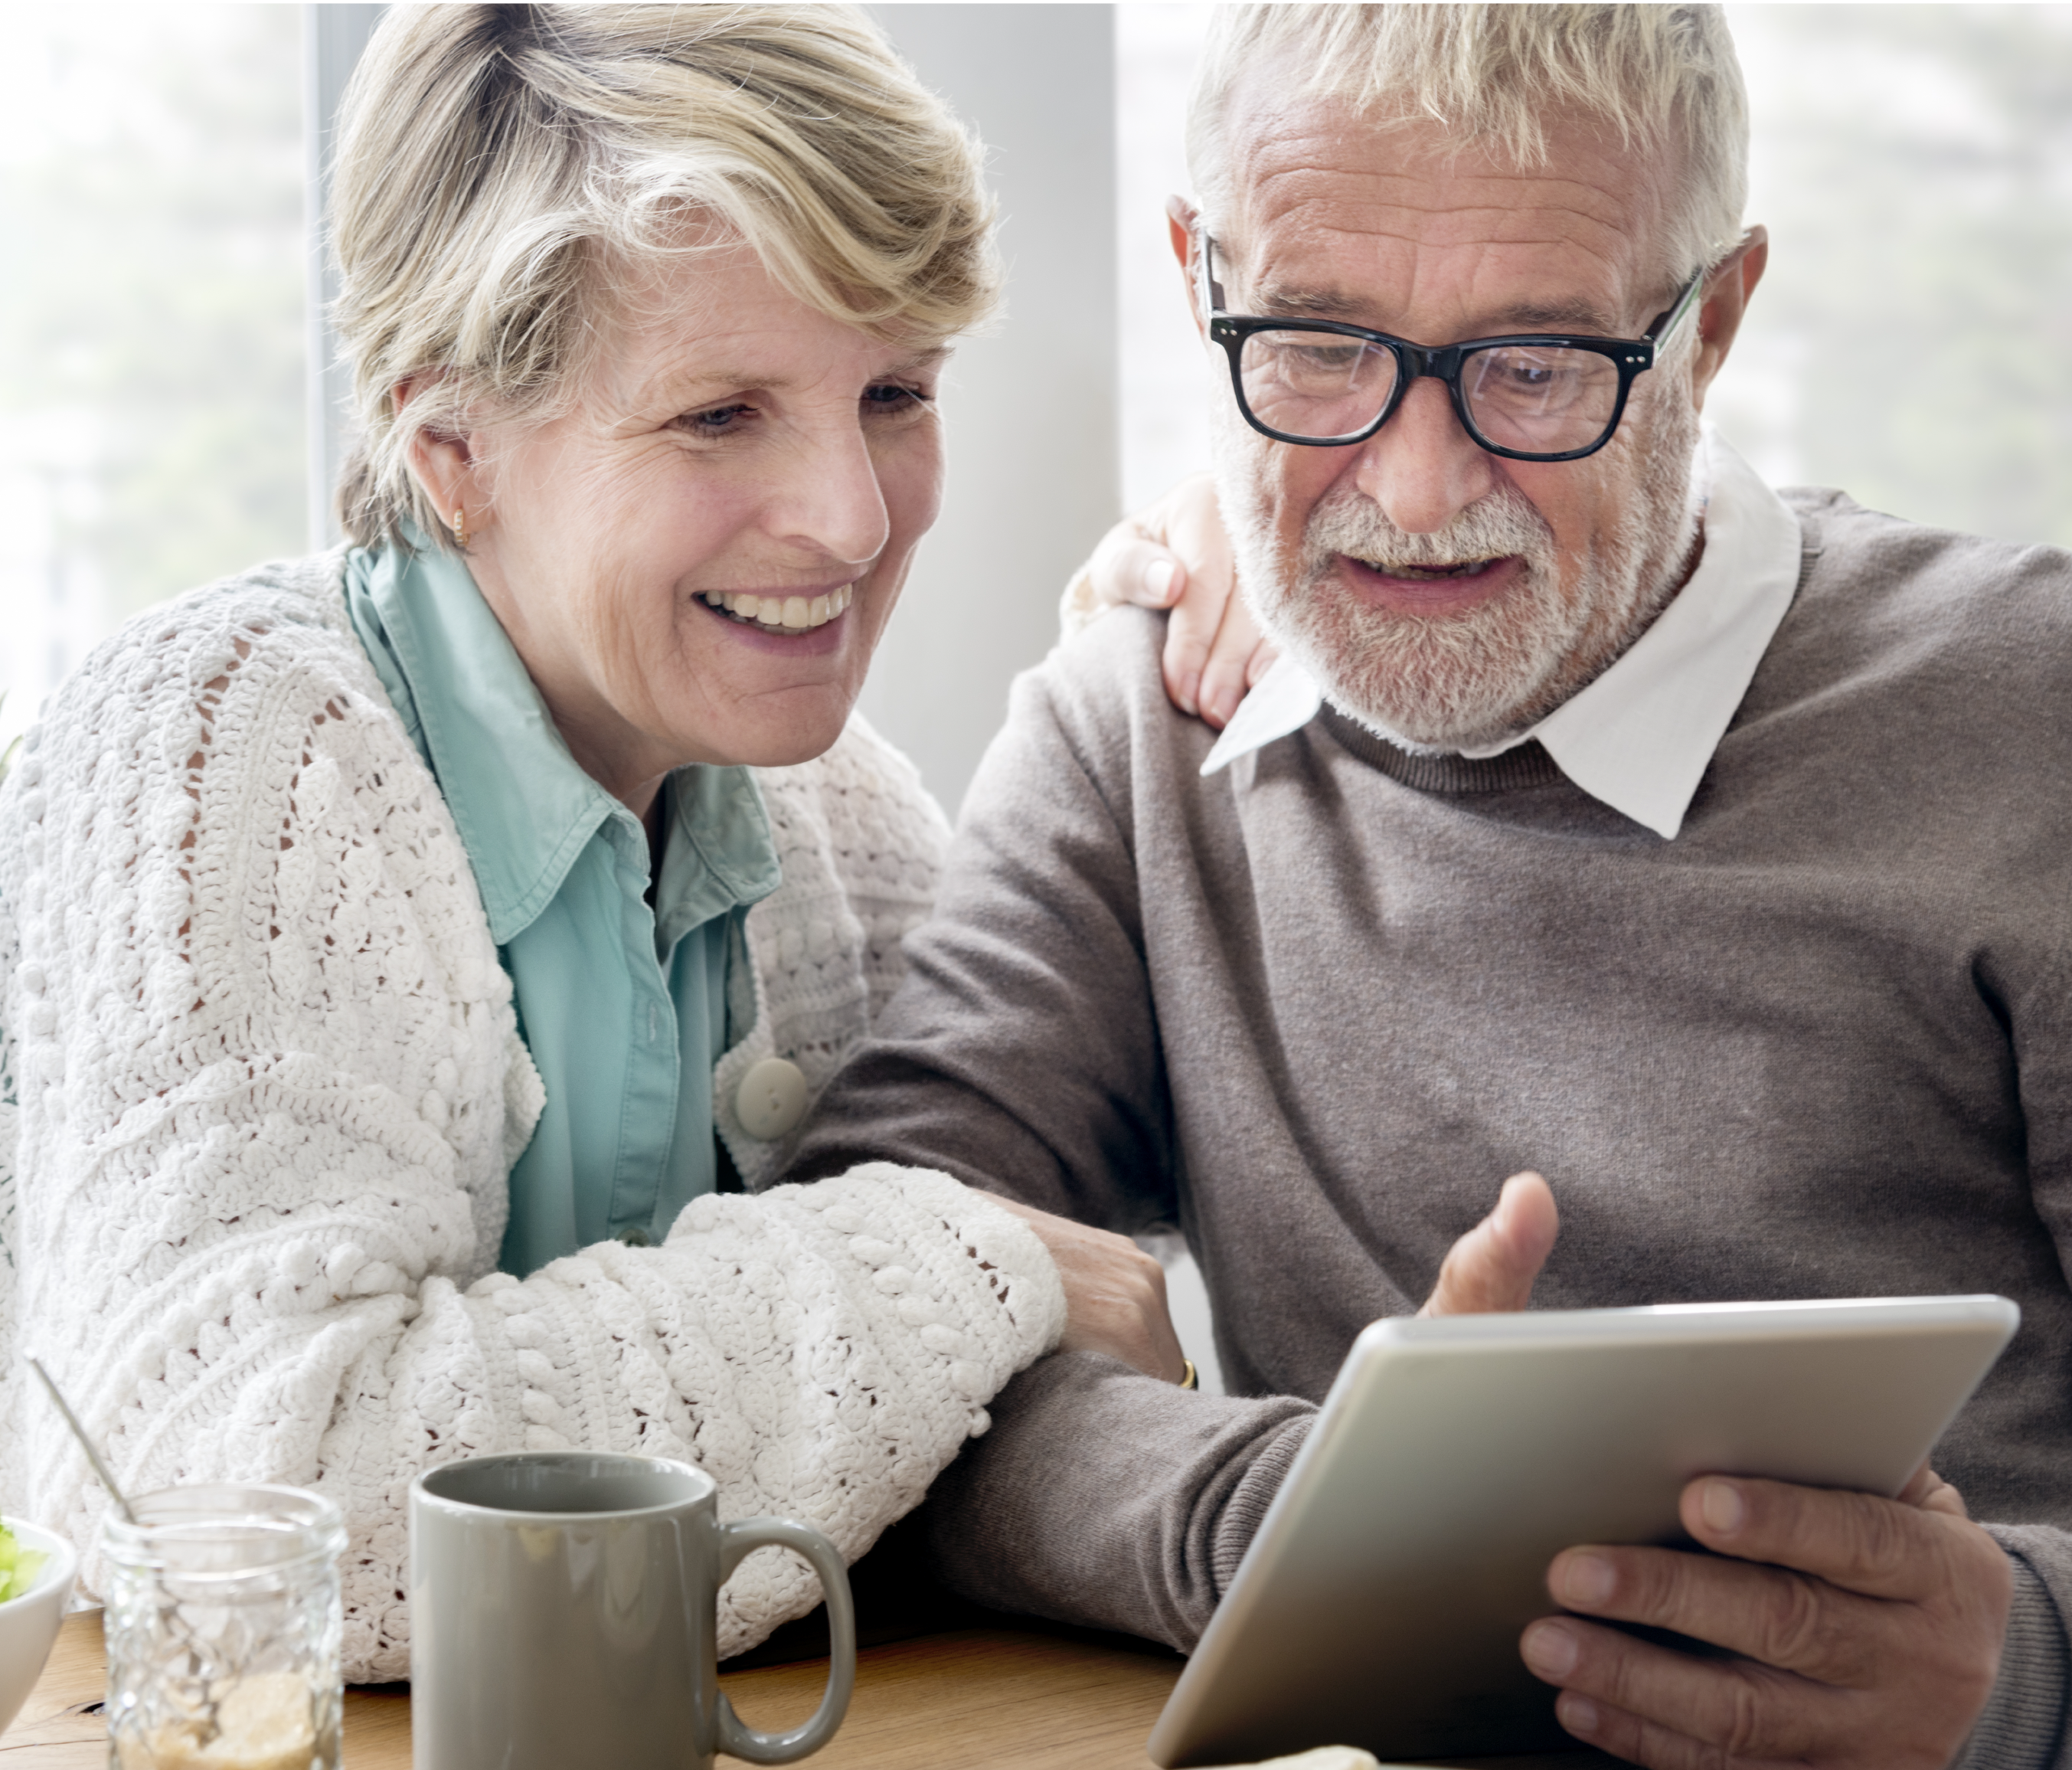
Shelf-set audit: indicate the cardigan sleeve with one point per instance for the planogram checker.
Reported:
(269, 1086)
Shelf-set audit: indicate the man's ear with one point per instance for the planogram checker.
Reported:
(1726, 299)
(1181, 216)
(444, 464)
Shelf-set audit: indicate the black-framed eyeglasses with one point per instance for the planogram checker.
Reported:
(1529, 397)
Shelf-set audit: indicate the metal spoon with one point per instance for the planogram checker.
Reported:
(208, 1726)
(85, 1443)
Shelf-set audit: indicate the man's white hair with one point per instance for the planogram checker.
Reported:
(1659, 76)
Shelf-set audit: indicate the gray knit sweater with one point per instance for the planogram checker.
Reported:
(1313, 1009)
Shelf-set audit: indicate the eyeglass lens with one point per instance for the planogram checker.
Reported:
(1321, 386)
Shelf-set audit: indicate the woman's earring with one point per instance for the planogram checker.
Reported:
(460, 528)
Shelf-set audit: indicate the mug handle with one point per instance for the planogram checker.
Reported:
(735, 1736)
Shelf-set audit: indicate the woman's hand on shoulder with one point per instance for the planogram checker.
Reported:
(1114, 1293)
(1175, 554)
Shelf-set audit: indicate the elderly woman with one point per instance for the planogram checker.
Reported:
(408, 953)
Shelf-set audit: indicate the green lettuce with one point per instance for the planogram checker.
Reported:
(18, 1566)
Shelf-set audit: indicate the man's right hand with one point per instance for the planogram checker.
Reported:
(1491, 1268)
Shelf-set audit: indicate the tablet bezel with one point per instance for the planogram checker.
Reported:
(1905, 1366)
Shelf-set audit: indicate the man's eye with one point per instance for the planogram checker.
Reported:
(1327, 359)
(890, 396)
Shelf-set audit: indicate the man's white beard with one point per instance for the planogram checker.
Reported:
(1461, 681)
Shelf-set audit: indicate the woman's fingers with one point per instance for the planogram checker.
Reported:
(1130, 567)
(1175, 554)
(1209, 636)
(1191, 631)
(1237, 656)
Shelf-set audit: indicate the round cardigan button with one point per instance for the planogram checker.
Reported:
(772, 1099)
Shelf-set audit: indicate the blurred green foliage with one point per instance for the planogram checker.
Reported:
(1912, 342)
(151, 325)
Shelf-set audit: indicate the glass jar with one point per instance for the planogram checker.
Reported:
(223, 1625)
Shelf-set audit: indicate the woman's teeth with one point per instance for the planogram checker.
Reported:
(796, 614)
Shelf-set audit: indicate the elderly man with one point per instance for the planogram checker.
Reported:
(1704, 849)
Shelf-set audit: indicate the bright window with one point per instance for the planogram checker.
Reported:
(151, 321)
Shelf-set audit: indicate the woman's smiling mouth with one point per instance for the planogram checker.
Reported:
(781, 614)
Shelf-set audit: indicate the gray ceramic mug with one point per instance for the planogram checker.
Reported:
(561, 1615)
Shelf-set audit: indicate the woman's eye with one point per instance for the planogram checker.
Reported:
(717, 421)
(890, 396)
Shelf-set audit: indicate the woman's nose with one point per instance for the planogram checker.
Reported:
(831, 498)
(1421, 467)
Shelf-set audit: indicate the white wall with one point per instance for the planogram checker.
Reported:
(1169, 375)
(1031, 406)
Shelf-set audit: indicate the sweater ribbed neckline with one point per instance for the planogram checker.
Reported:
(1529, 765)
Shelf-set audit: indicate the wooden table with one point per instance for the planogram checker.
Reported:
(1006, 1698)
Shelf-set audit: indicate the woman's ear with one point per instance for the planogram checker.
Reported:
(445, 465)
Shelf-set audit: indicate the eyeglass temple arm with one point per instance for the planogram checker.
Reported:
(1674, 318)
(1208, 289)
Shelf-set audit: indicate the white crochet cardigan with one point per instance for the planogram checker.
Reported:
(268, 1088)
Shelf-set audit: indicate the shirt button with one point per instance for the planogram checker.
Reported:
(634, 1238)
(772, 1099)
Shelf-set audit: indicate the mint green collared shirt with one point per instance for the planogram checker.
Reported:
(623, 1006)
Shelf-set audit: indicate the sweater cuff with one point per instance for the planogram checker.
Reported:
(1018, 1269)
(1245, 1510)
(2025, 1714)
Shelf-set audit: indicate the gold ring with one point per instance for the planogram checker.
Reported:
(1193, 1379)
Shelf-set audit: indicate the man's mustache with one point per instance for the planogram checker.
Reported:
(1493, 527)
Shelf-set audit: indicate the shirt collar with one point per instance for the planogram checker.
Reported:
(1640, 737)
(523, 806)
(720, 852)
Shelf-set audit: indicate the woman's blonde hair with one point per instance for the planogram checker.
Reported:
(504, 171)
(1657, 76)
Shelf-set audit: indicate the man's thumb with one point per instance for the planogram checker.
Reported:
(1491, 1268)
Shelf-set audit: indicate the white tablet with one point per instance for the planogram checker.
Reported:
(1381, 1603)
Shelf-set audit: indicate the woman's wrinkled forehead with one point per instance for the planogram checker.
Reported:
(701, 324)
(690, 289)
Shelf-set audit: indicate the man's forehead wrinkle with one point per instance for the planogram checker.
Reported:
(1314, 200)
(1607, 201)
(1328, 205)
(1614, 184)
(1573, 314)
(1334, 269)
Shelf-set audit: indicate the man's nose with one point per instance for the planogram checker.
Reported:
(1421, 467)
(831, 498)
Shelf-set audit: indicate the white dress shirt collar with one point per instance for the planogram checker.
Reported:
(1639, 738)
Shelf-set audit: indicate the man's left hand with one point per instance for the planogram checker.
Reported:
(1869, 1631)
(1114, 1293)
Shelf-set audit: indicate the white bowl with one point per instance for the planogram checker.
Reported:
(28, 1625)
